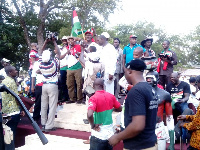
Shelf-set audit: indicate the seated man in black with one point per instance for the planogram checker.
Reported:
(180, 92)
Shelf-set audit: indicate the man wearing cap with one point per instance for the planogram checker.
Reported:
(108, 56)
(49, 69)
(106, 35)
(140, 111)
(89, 40)
(33, 57)
(129, 49)
(74, 72)
(146, 43)
(63, 69)
(4, 62)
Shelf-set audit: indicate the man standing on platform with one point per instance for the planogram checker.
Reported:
(74, 71)
(129, 49)
(108, 56)
(63, 69)
(49, 70)
(146, 43)
(36, 88)
(167, 59)
(119, 67)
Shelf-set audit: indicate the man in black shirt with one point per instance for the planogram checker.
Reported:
(140, 111)
(180, 92)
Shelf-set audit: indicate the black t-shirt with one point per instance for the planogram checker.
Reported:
(179, 91)
(141, 100)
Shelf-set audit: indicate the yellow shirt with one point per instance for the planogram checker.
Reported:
(9, 104)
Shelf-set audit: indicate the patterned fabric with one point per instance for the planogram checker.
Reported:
(9, 104)
(119, 66)
(194, 126)
(151, 52)
(33, 54)
(49, 71)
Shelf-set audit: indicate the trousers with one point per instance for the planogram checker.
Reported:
(37, 107)
(49, 99)
(74, 75)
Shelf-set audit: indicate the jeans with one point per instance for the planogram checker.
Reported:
(98, 144)
(181, 106)
(13, 125)
(64, 90)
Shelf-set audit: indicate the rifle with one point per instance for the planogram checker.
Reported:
(34, 124)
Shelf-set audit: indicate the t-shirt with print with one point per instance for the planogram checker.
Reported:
(141, 100)
(33, 54)
(102, 103)
(75, 49)
(177, 92)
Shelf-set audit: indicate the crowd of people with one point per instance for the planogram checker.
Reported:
(96, 73)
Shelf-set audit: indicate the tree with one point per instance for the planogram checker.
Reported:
(34, 17)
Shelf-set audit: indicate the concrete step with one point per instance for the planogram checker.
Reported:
(32, 142)
(72, 115)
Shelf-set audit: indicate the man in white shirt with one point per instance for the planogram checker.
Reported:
(36, 88)
(108, 56)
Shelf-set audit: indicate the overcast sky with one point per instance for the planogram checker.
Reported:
(174, 16)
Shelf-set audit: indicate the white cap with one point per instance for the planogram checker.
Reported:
(46, 55)
(106, 35)
(5, 60)
(64, 38)
(93, 56)
(19, 79)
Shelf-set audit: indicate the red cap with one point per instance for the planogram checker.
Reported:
(88, 32)
(133, 36)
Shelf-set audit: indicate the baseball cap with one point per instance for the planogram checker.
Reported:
(106, 35)
(137, 65)
(88, 32)
(133, 36)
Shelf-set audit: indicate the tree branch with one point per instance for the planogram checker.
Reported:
(51, 8)
(7, 13)
(23, 24)
(25, 3)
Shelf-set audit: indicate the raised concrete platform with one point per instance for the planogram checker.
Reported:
(32, 142)
(72, 115)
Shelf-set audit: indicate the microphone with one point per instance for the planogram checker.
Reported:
(4, 88)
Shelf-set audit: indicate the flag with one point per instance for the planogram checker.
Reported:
(88, 30)
(76, 24)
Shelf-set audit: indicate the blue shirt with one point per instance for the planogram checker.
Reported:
(128, 51)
